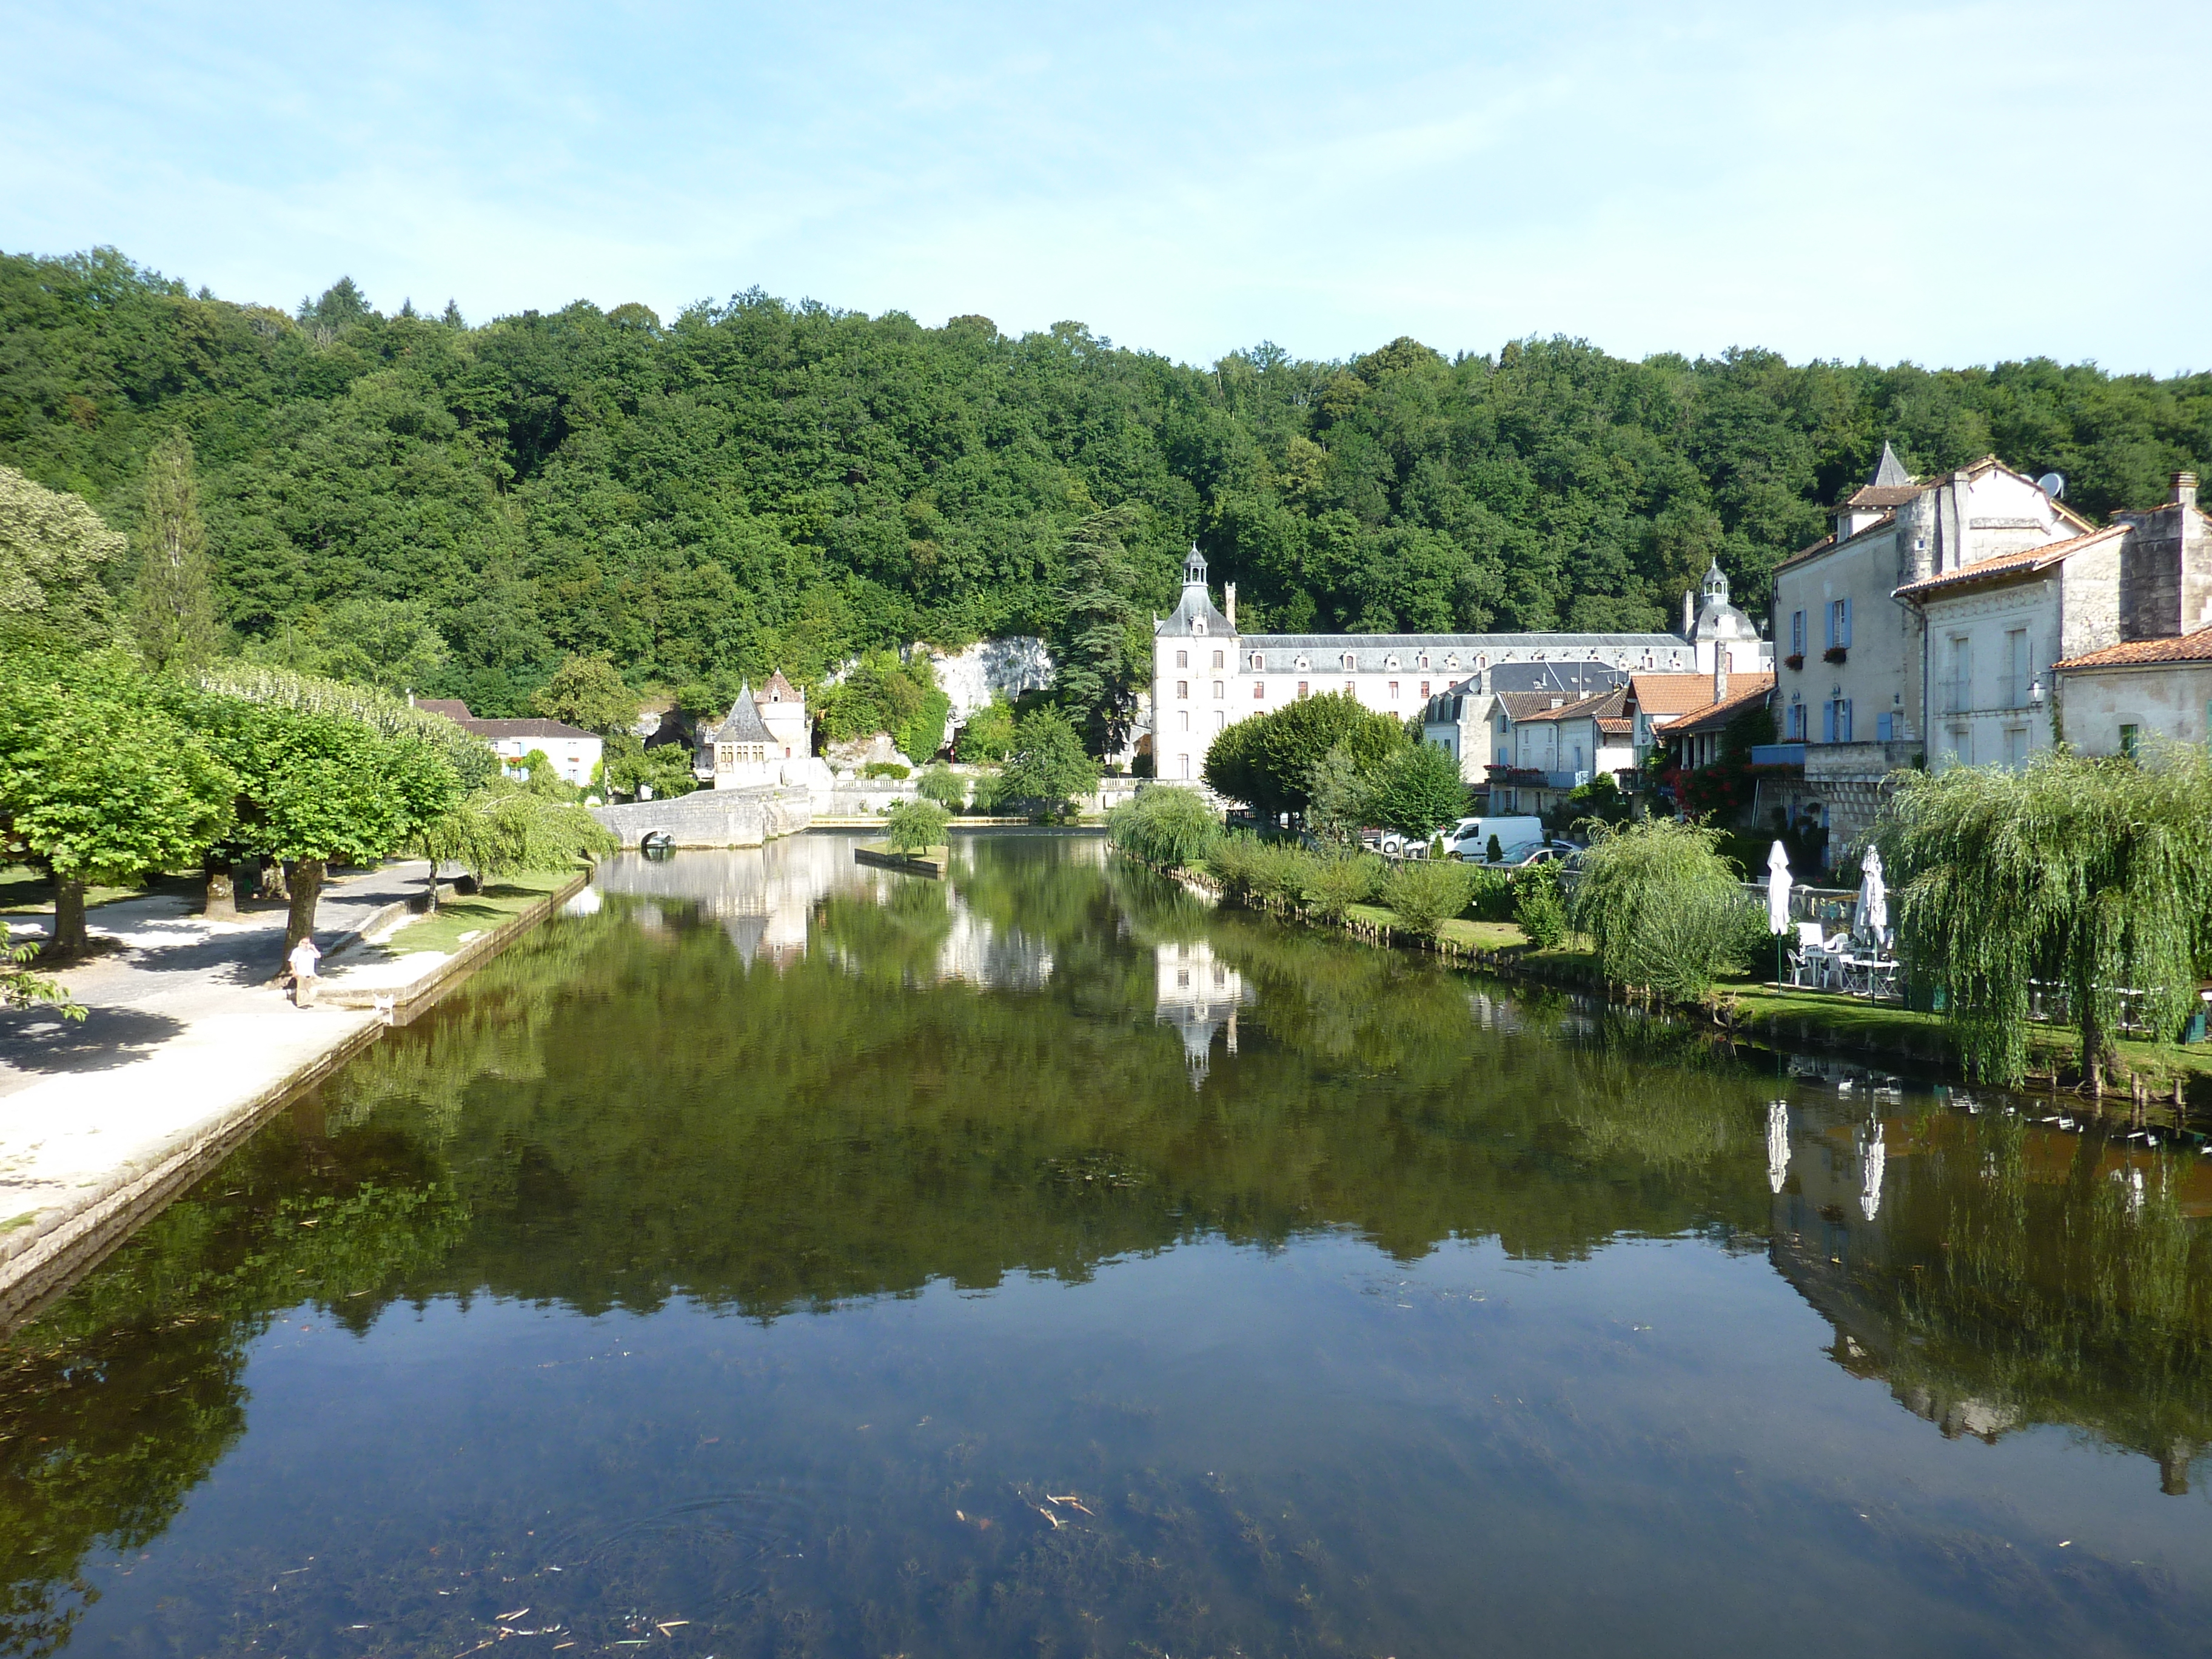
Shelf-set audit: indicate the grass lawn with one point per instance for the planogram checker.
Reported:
(1467, 935)
(501, 902)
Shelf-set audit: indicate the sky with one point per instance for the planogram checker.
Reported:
(1947, 184)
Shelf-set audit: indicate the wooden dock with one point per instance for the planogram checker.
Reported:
(933, 863)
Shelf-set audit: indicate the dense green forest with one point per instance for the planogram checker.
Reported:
(755, 483)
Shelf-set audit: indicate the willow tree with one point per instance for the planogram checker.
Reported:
(2093, 875)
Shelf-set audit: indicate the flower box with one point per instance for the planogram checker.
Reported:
(1796, 659)
(1834, 653)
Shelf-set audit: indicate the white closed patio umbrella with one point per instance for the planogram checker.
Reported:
(1874, 897)
(1777, 889)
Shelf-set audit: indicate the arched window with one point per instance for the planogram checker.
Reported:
(1255, 662)
(1350, 664)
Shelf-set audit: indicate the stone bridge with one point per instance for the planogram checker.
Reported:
(712, 818)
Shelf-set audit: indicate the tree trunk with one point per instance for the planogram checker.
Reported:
(430, 902)
(306, 887)
(221, 892)
(273, 884)
(70, 939)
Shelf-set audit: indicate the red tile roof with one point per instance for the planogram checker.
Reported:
(1744, 690)
(452, 707)
(2137, 654)
(1667, 694)
(2028, 561)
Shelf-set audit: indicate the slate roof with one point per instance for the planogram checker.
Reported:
(2028, 561)
(452, 707)
(776, 689)
(530, 728)
(743, 725)
(1525, 705)
(2144, 653)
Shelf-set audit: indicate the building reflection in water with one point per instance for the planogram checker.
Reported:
(1200, 995)
(765, 899)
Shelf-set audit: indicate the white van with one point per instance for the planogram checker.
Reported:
(1470, 837)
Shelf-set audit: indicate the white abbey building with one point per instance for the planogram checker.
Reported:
(1206, 675)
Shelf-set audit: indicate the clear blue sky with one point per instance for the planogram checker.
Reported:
(1950, 184)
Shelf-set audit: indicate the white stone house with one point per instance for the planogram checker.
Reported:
(1552, 749)
(1459, 718)
(1852, 683)
(2113, 701)
(783, 711)
(1992, 630)
(1207, 676)
(576, 753)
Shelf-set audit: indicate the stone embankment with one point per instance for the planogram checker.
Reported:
(188, 1044)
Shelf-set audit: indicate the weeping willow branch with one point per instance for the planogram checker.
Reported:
(2093, 875)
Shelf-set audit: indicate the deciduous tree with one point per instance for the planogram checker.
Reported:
(588, 692)
(172, 596)
(54, 550)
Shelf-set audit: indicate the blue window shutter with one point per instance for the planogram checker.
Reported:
(1829, 612)
(1843, 719)
(1882, 726)
(1827, 722)
(1846, 639)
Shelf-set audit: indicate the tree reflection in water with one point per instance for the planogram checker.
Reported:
(775, 1082)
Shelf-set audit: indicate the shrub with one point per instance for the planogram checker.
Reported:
(1335, 884)
(1233, 861)
(988, 733)
(1281, 871)
(885, 769)
(917, 825)
(1538, 907)
(1417, 790)
(1165, 826)
(1491, 893)
(1047, 766)
(1661, 907)
(1427, 893)
(946, 786)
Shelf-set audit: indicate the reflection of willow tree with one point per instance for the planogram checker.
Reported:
(892, 942)
(2002, 1298)
(119, 1402)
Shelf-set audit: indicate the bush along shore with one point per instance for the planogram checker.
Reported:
(1658, 919)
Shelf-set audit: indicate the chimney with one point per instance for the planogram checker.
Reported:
(2185, 488)
(1689, 612)
(1229, 595)
(1720, 671)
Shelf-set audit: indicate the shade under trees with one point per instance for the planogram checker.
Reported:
(2095, 875)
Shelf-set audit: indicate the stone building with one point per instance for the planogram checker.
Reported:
(1207, 676)
(783, 711)
(740, 752)
(1851, 697)
(2110, 701)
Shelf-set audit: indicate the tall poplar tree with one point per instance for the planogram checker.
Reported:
(1100, 650)
(173, 602)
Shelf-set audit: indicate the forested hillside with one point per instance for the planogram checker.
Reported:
(756, 482)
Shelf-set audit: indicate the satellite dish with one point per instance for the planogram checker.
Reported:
(2052, 484)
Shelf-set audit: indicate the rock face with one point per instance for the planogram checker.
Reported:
(1008, 666)
(855, 752)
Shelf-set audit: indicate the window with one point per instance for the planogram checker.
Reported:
(1796, 632)
(1351, 688)
(1186, 766)
(1796, 726)
(1220, 719)
(2128, 736)
(1255, 662)
(1186, 719)
(1885, 726)
(1220, 659)
(2015, 746)
(1182, 688)
(1302, 688)
(1259, 690)
(2016, 668)
(1839, 623)
(1424, 659)
(1183, 660)
(1836, 720)
(1425, 688)
(1218, 692)
(1182, 978)
(1959, 684)
(1394, 690)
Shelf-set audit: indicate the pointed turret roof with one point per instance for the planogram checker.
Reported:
(1889, 472)
(1888, 485)
(1196, 613)
(776, 689)
(743, 724)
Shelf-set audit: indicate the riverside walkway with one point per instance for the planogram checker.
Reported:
(187, 1043)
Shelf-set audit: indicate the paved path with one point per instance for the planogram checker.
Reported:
(185, 1036)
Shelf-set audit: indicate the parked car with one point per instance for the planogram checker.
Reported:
(1469, 839)
(1531, 853)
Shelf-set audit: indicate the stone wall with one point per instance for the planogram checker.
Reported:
(712, 818)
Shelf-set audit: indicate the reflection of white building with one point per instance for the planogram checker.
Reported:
(1198, 993)
(980, 952)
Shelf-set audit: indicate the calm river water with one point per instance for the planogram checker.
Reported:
(785, 1258)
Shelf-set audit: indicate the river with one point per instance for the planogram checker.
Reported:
(776, 1256)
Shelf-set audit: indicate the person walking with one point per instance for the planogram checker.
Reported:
(305, 956)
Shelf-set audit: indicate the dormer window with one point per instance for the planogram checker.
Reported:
(1424, 659)
(1197, 625)
(1303, 664)
(1255, 662)
(1390, 663)
(1350, 662)
(1452, 661)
